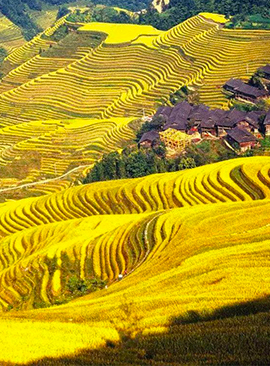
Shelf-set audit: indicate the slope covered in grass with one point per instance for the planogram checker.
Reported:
(191, 253)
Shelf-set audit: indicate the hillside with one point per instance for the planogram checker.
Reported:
(161, 63)
(156, 229)
(168, 269)
(98, 73)
(10, 35)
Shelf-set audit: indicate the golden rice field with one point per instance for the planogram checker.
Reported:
(190, 243)
(37, 151)
(131, 70)
(195, 240)
(10, 35)
(99, 73)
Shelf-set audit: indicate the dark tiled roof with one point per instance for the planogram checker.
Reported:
(234, 83)
(180, 111)
(239, 86)
(149, 136)
(230, 118)
(199, 112)
(240, 135)
(180, 125)
(164, 111)
(253, 118)
(265, 69)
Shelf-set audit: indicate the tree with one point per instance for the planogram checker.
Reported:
(62, 11)
(186, 163)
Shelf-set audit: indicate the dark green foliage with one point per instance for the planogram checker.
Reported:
(155, 124)
(186, 163)
(246, 107)
(179, 95)
(129, 164)
(3, 54)
(110, 15)
(133, 5)
(136, 163)
(208, 152)
(105, 15)
(17, 12)
(256, 21)
(180, 10)
(63, 10)
(79, 287)
(59, 34)
(133, 163)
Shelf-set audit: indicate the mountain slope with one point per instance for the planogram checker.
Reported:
(146, 68)
(179, 260)
(99, 73)
(38, 247)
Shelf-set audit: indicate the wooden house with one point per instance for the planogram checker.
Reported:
(267, 123)
(265, 70)
(175, 140)
(241, 139)
(244, 92)
(149, 139)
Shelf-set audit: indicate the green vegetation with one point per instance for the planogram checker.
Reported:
(256, 21)
(133, 163)
(59, 34)
(100, 14)
(209, 151)
(62, 11)
(256, 13)
(129, 164)
(78, 287)
(15, 10)
(133, 5)
(155, 124)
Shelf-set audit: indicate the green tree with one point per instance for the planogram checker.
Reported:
(186, 163)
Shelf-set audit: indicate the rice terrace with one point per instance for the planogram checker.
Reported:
(134, 182)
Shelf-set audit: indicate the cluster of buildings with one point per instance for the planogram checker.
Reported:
(186, 123)
(247, 93)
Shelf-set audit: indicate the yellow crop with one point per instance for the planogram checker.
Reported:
(57, 338)
(99, 217)
(121, 33)
(219, 18)
(129, 71)
(193, 240)
(177, 260)
(58, 146)
(10, 35)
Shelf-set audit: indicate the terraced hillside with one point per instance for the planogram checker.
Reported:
(10, 35)
(43, 226)
(124, 75)
(100, 73)
(195, 240)
(38, 151)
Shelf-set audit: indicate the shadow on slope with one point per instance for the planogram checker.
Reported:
(232, 335)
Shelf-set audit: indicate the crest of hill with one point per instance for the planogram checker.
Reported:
(121, 33)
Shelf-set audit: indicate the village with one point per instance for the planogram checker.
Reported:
(185, 123)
